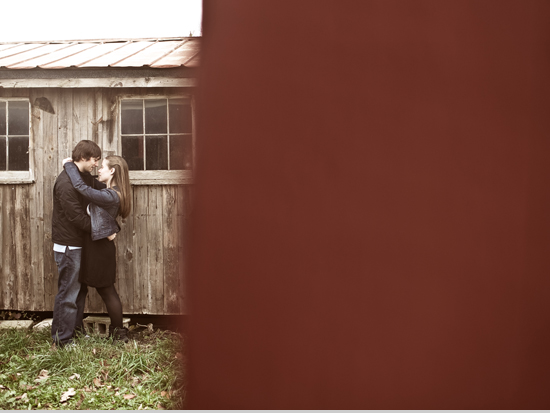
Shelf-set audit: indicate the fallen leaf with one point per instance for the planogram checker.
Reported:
(87, 389)
(97, 382)
(2, 387)
(129, 396)
(163, 393)
(161, 407)
(65, 396)
(74, 376)
(117, 394)
(23, 396)
(80, 401)
(94, 351)
(140, 407)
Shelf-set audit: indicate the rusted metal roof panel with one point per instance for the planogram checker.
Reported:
(180, 56)
(52, 57)
(7, 46)
(156, 53)
(19, 49)
(149, 54)
(83, 56)
(118, 55)
(32, 54)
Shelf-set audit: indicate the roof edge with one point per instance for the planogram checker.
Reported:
(107, 40)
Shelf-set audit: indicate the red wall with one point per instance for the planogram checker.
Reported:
(372, 216)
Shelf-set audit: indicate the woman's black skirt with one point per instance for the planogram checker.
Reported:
(98, 265)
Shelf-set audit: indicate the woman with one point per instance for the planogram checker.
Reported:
(98, 266)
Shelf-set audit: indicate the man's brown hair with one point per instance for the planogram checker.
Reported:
(85, 150)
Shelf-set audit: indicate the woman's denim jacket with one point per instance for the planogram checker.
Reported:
(104, 205)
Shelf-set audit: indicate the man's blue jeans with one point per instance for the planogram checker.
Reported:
(65, 308)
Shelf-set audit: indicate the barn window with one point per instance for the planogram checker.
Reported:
(157, 134)
(14, 135)
(15, 141)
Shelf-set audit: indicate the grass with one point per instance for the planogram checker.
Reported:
(146, 373)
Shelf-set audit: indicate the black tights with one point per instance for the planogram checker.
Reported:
(113, 304)
(110, 298)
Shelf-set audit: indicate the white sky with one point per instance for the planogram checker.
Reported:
(27, 20)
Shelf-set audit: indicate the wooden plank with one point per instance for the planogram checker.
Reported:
(109, 142)
(80, 116)
(6, 93)
(90, 107)
(49, 165)
(96, 116)
(161, 177)
(184, 211)
(65, 127)
(36, 200)
(107, 82)
(16, 177)
(172, 266)
(155, 282)
(125, 263)
(8, 254)
(141, 269)
(3, 270)
(99, 121)
(21, 246)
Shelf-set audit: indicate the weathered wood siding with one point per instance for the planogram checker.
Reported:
(150, 251)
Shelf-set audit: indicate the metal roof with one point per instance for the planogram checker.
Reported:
(154, 53)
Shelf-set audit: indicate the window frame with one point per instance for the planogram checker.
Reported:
(21, 177)
(161, 177)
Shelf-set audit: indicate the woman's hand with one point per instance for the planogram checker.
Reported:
(111, 237)
(67, 160)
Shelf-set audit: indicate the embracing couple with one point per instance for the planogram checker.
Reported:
(83, 229)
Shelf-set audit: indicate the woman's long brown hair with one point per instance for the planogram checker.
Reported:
(121, 179)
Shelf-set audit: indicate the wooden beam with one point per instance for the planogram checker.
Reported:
(110, 82)
(161, 178)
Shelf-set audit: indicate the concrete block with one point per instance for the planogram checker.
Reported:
(46, 323)
(100, 325)
(19, 324)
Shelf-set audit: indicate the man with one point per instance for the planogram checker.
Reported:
(70, 223)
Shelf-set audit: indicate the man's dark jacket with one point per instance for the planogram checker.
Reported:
(70, 222)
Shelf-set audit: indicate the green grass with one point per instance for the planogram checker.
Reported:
(146, 373)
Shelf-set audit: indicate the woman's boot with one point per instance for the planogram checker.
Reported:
(118, 334)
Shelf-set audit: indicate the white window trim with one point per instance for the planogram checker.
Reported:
(160, 177)
(21, 177)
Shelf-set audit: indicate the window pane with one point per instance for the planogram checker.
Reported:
(3, 118)
(18, 118)
(132, 152)
(156, 148)
(155, 116)
(2, 153)
(18, 154)
(181, 155)
(180, 115)
(131, 113)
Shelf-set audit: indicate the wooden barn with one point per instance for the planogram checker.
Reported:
(133, 97)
